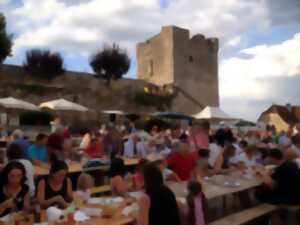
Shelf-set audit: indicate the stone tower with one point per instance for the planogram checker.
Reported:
(190, 65)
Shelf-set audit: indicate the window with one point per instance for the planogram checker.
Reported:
(150, 68)
(191, 59)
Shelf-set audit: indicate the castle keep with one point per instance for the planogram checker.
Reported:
(189, 65)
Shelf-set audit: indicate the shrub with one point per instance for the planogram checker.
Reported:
(44, 64)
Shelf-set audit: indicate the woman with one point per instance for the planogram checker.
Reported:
(55, 190)
(117, 181)
(15, 153)
(158, 206)
(95, 148)
(14, 193)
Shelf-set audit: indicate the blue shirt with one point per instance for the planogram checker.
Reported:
(37, 153)
(23, 143)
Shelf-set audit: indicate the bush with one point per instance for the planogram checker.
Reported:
(110, 63)
(43, 64)
(5, 40)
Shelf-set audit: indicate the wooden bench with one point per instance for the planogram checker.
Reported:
(245, 215)
(290, 208)
(101, 189)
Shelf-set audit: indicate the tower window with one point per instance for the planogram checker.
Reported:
(150, 68)
(191, 59)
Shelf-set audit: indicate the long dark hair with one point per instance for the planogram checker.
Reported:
(14, 151)
(8, 168)
(194, 189)
(117, 167)
(58, 165)
(153, 179)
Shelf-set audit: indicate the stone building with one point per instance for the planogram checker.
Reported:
(188, 65)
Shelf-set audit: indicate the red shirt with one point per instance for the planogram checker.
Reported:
(97, 151)
(182, 165)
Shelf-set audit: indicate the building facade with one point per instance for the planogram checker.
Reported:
(189, 65)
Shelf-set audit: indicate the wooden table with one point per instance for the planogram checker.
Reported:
(212, 191)
(116, 219)
(77, 167)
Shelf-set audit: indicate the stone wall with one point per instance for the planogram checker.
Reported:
(77, 87)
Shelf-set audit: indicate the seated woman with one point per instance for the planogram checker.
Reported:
(14, 193)
(95, 148)
(56, 189)
(158, 205)
(247, 159)
(117, 181)
(15, 153)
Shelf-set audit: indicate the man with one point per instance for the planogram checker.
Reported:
(282, 187)
(182, 162)
(3, 132)
(18, 138)
(37, 152)
(134, 147)
(198, 138)
(55, 144)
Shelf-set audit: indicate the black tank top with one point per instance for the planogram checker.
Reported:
(163, 208)
(63, 192)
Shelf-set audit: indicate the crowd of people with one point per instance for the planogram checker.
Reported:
(172, 154)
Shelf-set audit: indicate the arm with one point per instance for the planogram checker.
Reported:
(8, 204)
(69, 190)
(26, 204)
(119, 185)
(143, 215)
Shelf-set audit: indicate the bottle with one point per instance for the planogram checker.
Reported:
(37, 213)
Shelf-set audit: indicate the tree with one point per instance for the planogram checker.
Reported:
(110, 63)
(5, 40)
(43, 64)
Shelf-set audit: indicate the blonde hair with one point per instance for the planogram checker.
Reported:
(85, 181)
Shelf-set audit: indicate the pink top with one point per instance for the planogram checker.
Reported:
(197, 141)
(199, 211)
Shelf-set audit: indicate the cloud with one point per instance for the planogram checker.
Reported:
(284, 11)
(3, 2)
(268, 73)
(85, 25)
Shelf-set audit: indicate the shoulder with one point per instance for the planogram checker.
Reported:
(144, 200)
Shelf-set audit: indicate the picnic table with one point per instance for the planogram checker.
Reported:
(115, 218)
(217, 187)
(78, 167)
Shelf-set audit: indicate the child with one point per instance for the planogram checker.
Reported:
(196, 202)
(84, 184)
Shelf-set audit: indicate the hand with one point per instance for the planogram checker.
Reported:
(9, 203)
(60, 200)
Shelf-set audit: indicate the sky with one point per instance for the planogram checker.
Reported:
(259, 56)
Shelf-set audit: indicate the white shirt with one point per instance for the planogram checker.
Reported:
(86, 140)
(214, 152)
(129, 148)
(29, 175)
(249, 163)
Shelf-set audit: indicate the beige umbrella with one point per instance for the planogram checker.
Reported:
(13, 103)
(212, 113)
(63, 105)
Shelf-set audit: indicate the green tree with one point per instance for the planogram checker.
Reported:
(110, 63)
(5, 40)
(44, 64)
